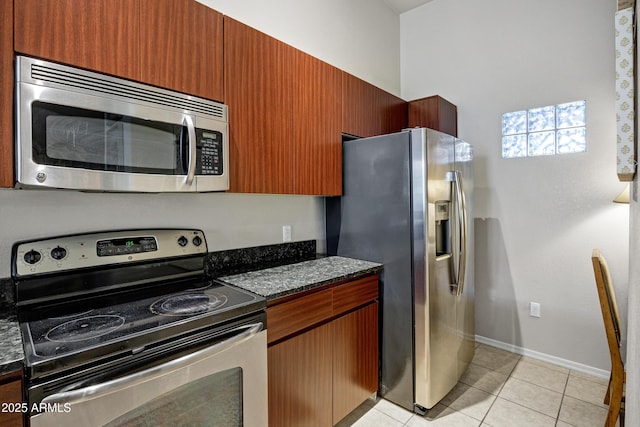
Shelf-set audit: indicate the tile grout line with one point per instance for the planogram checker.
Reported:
(564, 392)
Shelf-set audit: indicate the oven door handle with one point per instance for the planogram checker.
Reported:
(92, 392)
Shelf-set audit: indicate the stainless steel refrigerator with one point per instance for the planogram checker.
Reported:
(406, 203)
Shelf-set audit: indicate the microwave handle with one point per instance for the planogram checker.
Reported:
(191, 168)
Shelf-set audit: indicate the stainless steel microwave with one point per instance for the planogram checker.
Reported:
(82, 130)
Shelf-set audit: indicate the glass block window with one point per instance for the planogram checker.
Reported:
(556, 129)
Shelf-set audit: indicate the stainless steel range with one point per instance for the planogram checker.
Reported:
(124, 328)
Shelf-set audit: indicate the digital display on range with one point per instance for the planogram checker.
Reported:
(126, 246)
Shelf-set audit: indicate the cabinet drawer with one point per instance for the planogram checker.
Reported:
(292, 316)
(355, 294)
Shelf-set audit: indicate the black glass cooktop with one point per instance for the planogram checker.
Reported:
(64, 335)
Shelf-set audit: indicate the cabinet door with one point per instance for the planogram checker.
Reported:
(317, 166)
(181, 47)
(434, 112)
(368, 110)
(258, 91)
(355, 359)
(11, 392)
(6, 86)
(359, 114)
(300, 380)
(101, 35)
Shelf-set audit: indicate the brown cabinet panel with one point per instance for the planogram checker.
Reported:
(316, 122)
(357, 293)
(347, 358)
(394, 113)
(6, 100)
(295, 315)
(359, 116)
(355, 359)
(181, 46)
(368, 110)
(434, 112)
(258, 91)
(100, 35)
(300, 380)
(11, 392)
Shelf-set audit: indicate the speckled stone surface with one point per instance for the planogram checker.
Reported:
(276, 282)
(236, 261)
(11, 352)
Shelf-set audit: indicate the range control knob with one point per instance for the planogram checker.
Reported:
(197, 241)
(58, 253)
(182, 241)
(32, 257)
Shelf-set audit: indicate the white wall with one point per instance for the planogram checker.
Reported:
(537, 219)
(361, 37)
(357, 36)
(228, 220)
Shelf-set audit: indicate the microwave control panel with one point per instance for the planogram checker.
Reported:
(209, 156)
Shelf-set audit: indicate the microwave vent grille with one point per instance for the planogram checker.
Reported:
(96, 83)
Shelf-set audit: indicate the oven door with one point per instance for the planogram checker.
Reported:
(221, 385)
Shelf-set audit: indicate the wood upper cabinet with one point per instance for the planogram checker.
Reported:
(174, 44)
(434, 112)
(181, 47)
(317, 117)
(284, 116)
(11, 392)
(100, 35)
(368, 110)
(258, 89)
(6, 99)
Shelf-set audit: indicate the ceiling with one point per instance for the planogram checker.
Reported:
(402, 6)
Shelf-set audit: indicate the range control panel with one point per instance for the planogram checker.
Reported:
(95, 249)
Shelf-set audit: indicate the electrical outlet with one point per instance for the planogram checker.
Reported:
(286, 233)
(534, 309)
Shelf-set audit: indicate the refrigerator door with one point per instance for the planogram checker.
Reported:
(466, 306)
(372, 221)
(437, 339)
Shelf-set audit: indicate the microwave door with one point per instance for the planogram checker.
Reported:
(82, 142)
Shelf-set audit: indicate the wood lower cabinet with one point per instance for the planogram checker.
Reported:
(300, 379)
(11, 392)
(434, 112)
(323, 354)
(355, 359)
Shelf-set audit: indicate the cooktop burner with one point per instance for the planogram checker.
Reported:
(84, 328)
(188, 304)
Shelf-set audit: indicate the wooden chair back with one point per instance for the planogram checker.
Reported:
(611, 317)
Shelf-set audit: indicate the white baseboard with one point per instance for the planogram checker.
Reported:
(586, 369)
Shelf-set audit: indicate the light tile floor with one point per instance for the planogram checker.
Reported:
(501, 389)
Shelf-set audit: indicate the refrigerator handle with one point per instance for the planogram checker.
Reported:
(461, 206)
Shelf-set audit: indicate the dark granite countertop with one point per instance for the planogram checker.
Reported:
(276, 282)
(11, 352)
